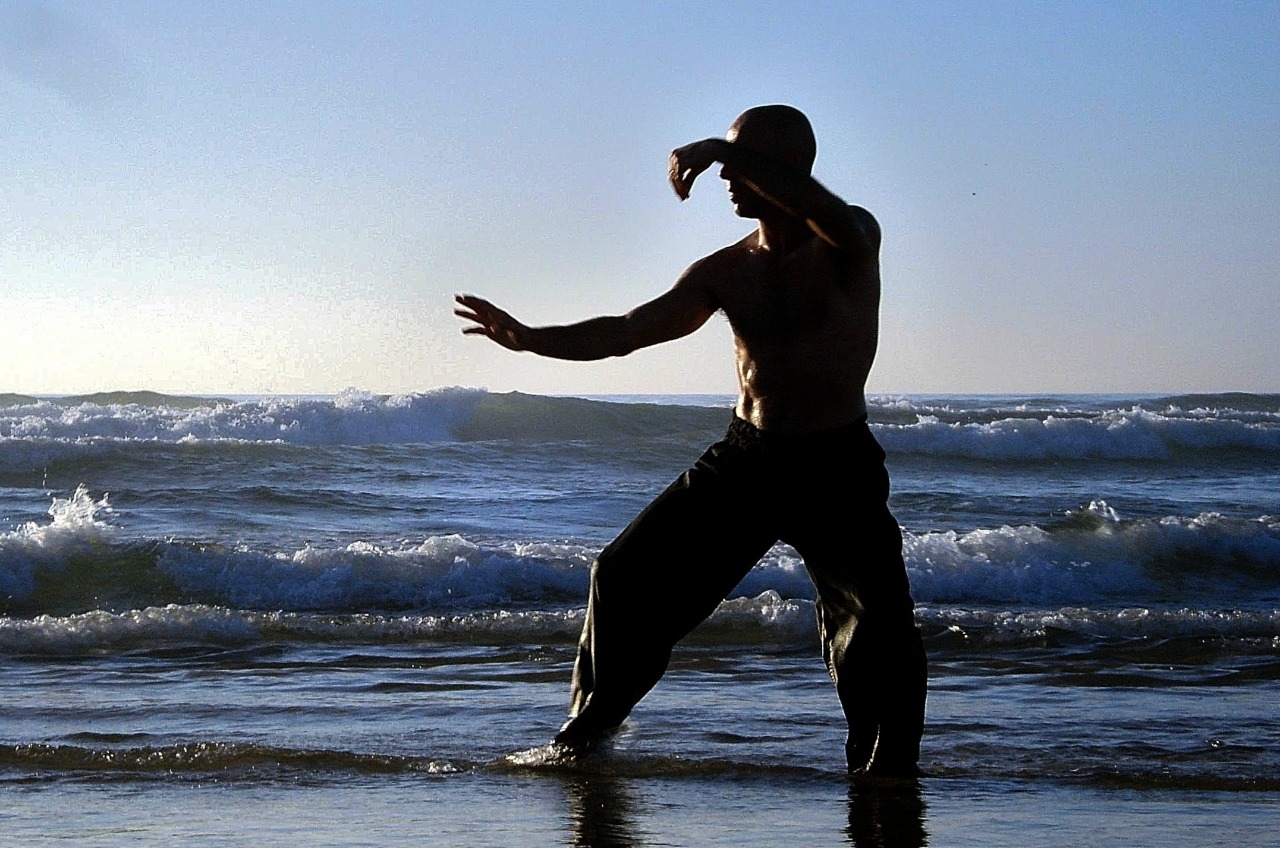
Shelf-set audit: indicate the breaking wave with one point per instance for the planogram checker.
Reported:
(77, 583)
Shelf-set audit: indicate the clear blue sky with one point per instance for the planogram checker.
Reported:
(283, 196)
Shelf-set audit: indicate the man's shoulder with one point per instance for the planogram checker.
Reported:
(864, 215)
(741, 248)
(867, 222)
(718, 262)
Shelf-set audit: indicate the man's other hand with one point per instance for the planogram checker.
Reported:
(490, 321)
(689, 161)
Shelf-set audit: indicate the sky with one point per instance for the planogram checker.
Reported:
(283, 197)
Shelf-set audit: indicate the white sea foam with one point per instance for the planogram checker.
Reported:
(99, 629)
(1096, 574)
(1118, 434)
(1092, 556)
(78, 527)
(217, 625)
(767, 618)
(441, 572)
(1020, 626)
(1234, 560)
(351, 418)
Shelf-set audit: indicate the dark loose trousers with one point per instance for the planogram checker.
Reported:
(823, 493)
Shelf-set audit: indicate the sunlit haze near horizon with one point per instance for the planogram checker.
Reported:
(283, 197)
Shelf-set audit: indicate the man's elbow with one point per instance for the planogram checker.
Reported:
(635, 333)
(622, 345)
(608, 337)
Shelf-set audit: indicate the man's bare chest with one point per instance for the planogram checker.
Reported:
(790, 298)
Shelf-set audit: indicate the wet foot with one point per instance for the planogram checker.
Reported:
(578, 736)
(576, 742)
(557, 755)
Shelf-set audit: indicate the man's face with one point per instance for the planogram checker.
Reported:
(746, 203)
(757, 136)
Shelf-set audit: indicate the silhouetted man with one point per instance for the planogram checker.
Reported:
(798, 463)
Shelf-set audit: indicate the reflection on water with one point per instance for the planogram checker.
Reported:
(601, 812)
(886, 814)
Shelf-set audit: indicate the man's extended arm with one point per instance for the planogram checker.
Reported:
(791, 189)
(678, 312)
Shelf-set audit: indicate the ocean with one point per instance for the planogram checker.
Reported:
(332, 621)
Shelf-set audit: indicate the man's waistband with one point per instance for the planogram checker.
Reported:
(746, 435)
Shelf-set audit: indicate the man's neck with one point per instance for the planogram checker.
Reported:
(781, 236)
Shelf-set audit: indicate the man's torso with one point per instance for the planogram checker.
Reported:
(805, 328)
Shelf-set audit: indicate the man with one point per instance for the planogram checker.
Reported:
(798, 463)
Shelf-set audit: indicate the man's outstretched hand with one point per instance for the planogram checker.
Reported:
(689, 161)
(490, 321)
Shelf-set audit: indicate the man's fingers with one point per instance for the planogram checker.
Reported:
(684, 169)
(484, 320)
(470, 301)
(682, 181)
(487, 320)
(479, 310)
(687, 163)
(673, 177)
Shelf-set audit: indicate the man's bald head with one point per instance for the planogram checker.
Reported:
(779, 131)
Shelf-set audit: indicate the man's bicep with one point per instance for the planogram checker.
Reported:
(679, 311)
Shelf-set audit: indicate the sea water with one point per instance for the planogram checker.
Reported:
(331, 620)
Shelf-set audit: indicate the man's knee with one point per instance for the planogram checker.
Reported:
(615, 588)
(606, 571)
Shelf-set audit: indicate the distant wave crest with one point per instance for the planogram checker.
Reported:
(1132, 433)
(353, 417)
(42, 431)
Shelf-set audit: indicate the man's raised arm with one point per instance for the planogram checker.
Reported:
(678, 312)
(785, 185)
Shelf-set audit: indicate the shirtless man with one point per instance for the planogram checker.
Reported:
(798, 463)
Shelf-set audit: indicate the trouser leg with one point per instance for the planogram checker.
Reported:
(655, 583)
(897, 680)
(852, 547)
(618, 662)
(873, 650)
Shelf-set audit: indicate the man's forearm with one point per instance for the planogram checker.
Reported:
(595, 338)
